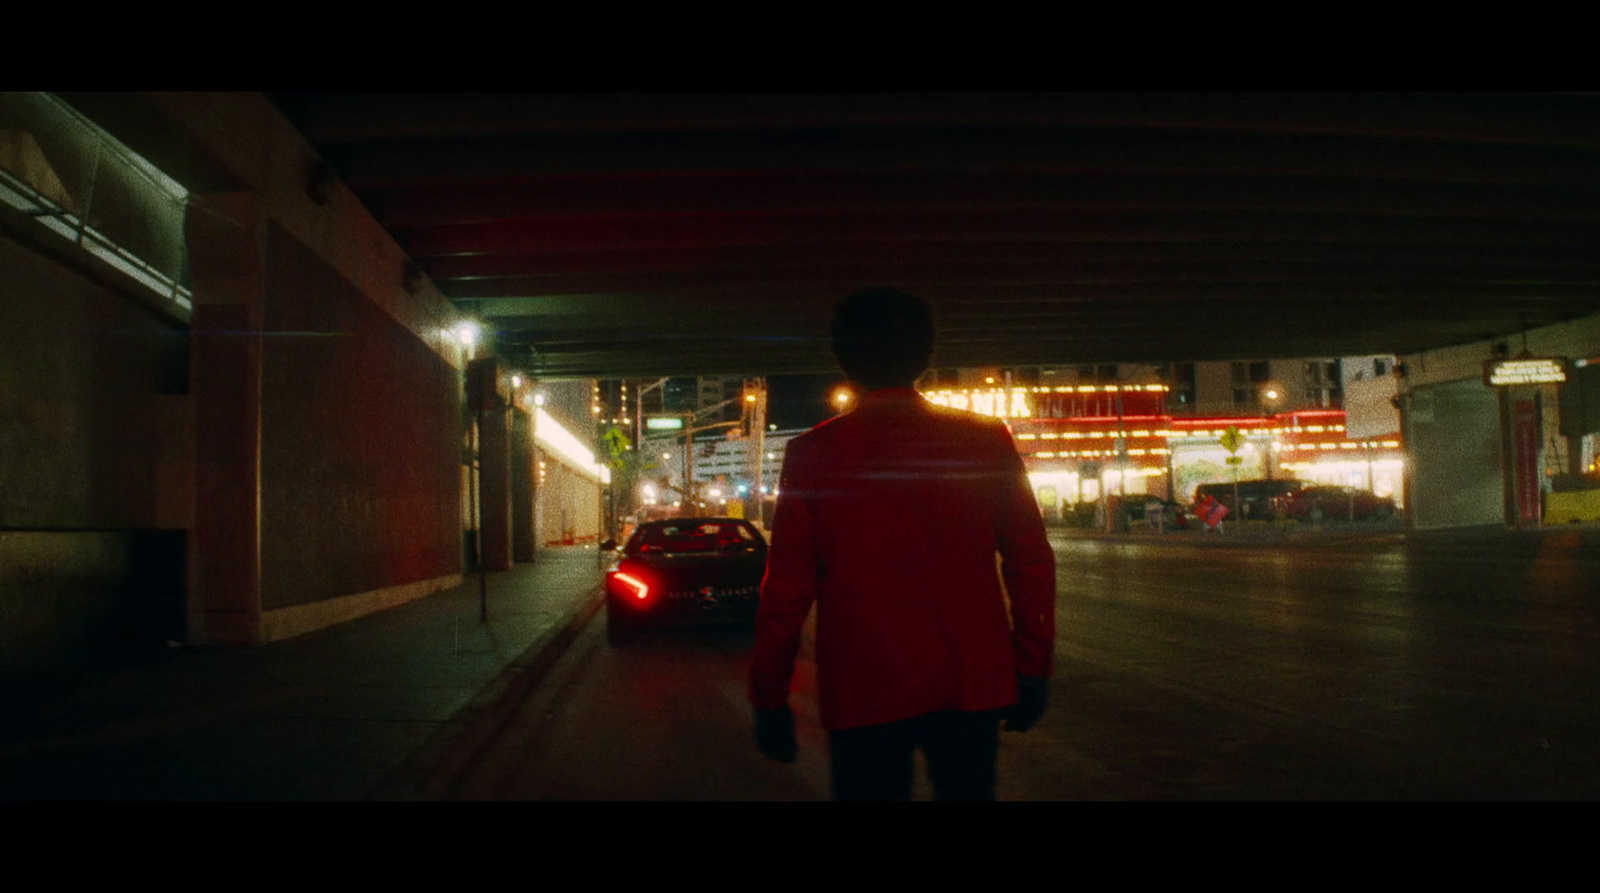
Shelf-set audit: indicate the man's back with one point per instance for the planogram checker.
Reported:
(891, 518)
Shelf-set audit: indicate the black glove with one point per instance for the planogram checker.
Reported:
(1032, 694)
(775, 734)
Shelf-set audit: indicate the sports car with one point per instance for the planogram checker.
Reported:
(684, 572)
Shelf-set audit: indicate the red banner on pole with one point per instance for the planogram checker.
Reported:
(1525, 459)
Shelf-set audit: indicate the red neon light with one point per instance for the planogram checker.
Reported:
(640, 588)
(1105, 418)
(1212, 423)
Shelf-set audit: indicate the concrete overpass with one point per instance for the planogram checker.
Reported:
(234, 402)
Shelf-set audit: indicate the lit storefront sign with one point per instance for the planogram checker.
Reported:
(1000, 403)
(1083, 402)
(1524, 371)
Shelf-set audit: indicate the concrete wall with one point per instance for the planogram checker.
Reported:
(1452, 433)
(92, 488)
(73, 599)
(569, 504)
(83, 376)
(360, 441)
(311, 473)
(1453, 422)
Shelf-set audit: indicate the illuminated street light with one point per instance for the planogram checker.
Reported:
(841, 398)
(538, 399)
(516, 381)
(1273, 395)
(467, 332)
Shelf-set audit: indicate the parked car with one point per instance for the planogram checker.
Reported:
(1257, 497)
(1323, 501)
(684, 571)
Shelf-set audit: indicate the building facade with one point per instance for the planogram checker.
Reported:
(1090, 431)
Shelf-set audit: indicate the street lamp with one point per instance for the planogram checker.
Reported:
(841, 398)
(1273, 396)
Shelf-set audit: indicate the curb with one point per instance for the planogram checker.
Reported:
(437, 768)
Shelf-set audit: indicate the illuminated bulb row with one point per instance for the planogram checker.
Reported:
(1089, 454)
(1081, 389)
(1392, 444)
(1299, 429)
(1091, 435)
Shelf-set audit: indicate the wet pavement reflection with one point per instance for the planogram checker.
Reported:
(1434, 665)
(1360, 665)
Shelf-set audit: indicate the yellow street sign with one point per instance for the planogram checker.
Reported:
(1231, 439)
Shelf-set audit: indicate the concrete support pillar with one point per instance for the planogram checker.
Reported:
(226, 235)
(524, 487)
(495, 462)
(542, 467)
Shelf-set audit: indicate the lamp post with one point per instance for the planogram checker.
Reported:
(1272, 397)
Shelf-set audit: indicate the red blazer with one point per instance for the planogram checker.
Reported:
(891, 519)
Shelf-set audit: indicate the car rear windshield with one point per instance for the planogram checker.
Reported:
(697, 536)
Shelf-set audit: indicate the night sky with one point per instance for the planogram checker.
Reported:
(800, 401)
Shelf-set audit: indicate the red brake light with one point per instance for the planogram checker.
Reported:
(639, 587)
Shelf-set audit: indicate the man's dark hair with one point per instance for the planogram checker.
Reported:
(882, 337)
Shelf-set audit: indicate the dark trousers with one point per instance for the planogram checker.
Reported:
(875, 762)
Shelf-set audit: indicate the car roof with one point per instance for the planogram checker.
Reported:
(695, 520)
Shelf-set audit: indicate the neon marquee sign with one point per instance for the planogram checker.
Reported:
(999, 402)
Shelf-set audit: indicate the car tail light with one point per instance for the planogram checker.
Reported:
(633, 585)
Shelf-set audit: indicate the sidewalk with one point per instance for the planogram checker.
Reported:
(373, 708)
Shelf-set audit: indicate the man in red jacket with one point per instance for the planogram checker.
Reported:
(890, 519)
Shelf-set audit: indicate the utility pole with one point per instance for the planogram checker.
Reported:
(756, 401)
(688, 466)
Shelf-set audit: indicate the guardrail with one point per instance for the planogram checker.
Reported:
(78, 181)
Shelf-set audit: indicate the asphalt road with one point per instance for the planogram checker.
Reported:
(1349, 665)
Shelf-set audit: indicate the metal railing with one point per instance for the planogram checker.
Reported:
(78, 181)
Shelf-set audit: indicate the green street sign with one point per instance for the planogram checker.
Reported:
(1231, 441)
(663, 423)
(1235, 460)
